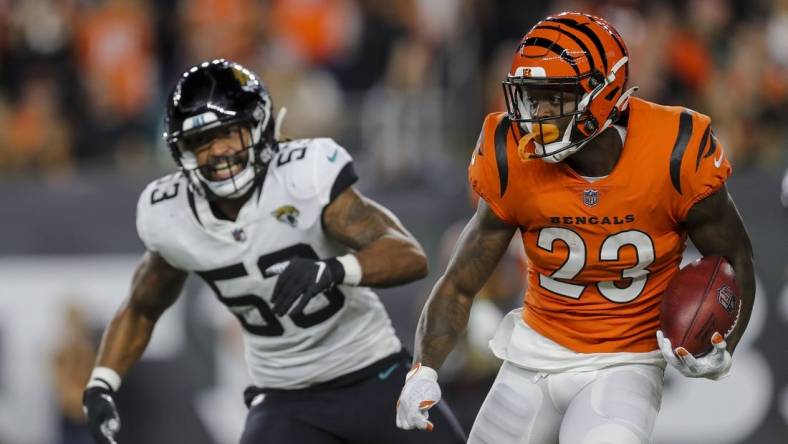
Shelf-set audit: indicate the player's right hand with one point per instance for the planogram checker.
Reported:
(103, 418)
(420, 393)
(714, 365)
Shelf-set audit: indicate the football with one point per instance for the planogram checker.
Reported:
(701, 299)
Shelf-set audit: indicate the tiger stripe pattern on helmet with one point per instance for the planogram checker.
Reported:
(570, 50)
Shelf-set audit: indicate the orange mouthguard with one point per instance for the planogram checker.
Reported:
(542, 134)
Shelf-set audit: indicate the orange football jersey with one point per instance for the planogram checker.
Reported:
(600, 254)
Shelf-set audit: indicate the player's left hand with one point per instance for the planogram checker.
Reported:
(101, 413)
(301, 279)
(714, 365)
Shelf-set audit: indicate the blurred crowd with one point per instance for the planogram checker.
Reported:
(403, 84)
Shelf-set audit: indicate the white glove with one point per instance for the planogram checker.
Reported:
(420, 392)
(714, 365)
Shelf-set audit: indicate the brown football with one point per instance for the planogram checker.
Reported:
(701, 299)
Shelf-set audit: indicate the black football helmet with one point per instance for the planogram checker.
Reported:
(209, 100)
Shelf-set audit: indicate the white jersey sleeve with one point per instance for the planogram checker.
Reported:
(158, 209)
(324, 169)
(142, 222)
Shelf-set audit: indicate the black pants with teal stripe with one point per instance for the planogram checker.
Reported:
(357, 408)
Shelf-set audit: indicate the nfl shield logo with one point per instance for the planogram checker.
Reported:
(590, 197)
(727, 298)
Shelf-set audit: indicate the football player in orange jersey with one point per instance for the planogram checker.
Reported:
(604, 189)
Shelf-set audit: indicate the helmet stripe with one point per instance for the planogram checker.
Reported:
(616, 38)
(588, 32)
(574, 38)
(551, 46)
(613, 33)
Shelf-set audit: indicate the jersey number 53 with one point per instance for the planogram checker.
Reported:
(242, 303)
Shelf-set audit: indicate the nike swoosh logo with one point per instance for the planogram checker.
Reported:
(276, 269)
(333, 157)
(718, 161)
(257, 400)
(386, 373)
(321, 267)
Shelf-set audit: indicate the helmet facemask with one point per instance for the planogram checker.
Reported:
(556, 137)
(227, 175)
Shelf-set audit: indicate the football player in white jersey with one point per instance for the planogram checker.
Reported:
(277, 231)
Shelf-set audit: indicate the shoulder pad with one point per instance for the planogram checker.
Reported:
(698, 166)
(693, 136)
(309, 167)
(158, 204)
(489, 170)
(489, 127)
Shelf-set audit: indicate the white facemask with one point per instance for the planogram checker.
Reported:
(231, 187)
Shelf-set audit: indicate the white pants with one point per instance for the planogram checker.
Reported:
(614, 405)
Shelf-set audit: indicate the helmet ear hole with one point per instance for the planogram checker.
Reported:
(590, 124)
(596, 79)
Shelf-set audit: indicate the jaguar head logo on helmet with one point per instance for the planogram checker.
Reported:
(225, 101)
(577, 64)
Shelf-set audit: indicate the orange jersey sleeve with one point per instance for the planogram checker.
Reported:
(488, 170)
(698, 166)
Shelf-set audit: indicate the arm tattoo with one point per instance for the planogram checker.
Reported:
(388, 253)
(156, 285)
(445, 316)
(357, 221)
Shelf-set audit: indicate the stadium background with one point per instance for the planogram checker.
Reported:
(403, 85)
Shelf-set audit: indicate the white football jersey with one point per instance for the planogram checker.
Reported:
(340, 331)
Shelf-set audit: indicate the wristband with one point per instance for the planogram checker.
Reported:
(104, 377)
(424, 371)
(353, 272)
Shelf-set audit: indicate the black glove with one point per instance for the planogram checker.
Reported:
(302, 279)
(103, 418)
